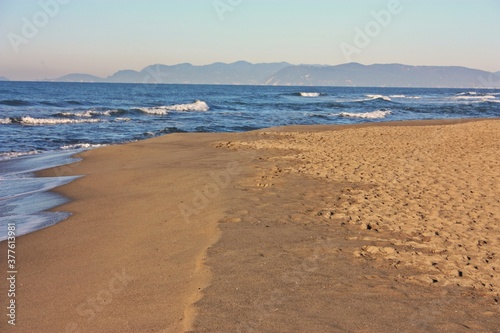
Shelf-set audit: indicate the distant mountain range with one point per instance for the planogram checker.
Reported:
(351, 74)
(3, 78)
(387, 75)
(240, 72)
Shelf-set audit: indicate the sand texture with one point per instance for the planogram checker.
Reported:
(373, 228)
(429, 195)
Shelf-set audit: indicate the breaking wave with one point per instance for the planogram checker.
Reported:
(309, 94)
(27, 120)
(10, 155)
(162, 110)
(90, 113)
(382, 97)
(82, 146)
(372, 98)
(467, 93)
(475, 97)
(405, 97)
(366, 115)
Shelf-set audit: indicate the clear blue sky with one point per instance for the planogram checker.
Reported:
(101, 37)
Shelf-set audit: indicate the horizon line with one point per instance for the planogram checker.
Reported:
(248, 62)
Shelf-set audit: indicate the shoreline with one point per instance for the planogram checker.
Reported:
(41, 172)
(27, 198)
(144, 215)
(108, 239)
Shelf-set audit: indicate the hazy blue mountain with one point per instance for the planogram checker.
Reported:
(351, 74)
(126, 75)
(3, 78)
(240, 72)
(389, 75)
(77, 77)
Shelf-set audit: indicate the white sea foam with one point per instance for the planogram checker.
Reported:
(76, 114)
(366, 115)
(33, 222)
(5, 121)
(89, 113)
(475, 97)
(196, 106)
(310, 94)
(122, 119)
(82, 146)
(9, 155)
(108, 113)
(385, 98)
(52, 121)
(162, 110)
(159, 110)
(404, 96)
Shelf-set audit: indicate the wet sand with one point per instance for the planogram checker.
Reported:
(372, 228)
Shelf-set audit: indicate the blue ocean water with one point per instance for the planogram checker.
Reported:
(44, 123)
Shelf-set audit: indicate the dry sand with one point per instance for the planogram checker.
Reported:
(375, 228)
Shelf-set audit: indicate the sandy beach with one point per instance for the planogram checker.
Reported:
(390, 227)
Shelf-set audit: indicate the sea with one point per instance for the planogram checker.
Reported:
(43, 124)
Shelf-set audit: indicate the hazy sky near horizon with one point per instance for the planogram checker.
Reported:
(49, 38)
